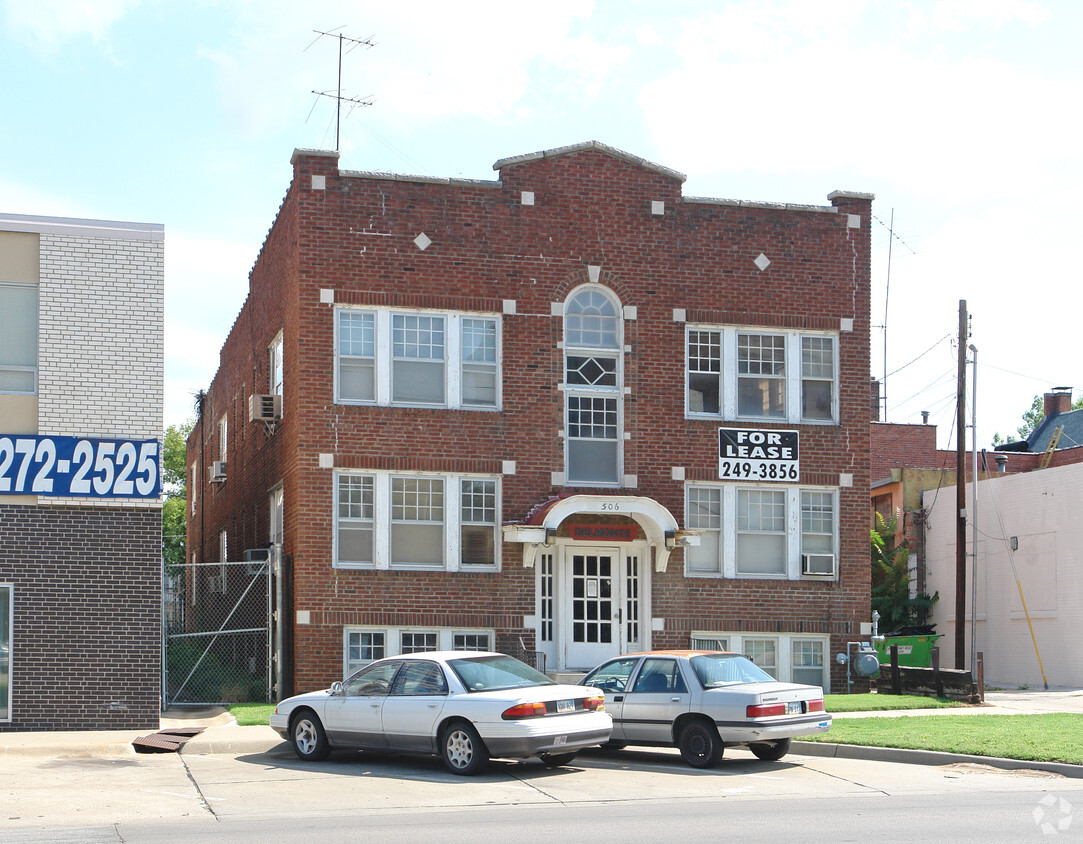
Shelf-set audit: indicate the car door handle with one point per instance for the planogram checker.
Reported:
(674, 699)
(618, 698)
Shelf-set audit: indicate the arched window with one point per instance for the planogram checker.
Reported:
(593, 380)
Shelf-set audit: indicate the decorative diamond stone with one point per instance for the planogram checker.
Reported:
(762, 262)
(422, 241)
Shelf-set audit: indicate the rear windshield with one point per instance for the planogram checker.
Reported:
(491, 673)
(714, 670)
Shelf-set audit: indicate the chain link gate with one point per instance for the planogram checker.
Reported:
(217, 633)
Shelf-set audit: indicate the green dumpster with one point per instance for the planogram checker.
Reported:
(914, 651)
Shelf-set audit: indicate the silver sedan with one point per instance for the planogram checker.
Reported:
(465, 706)
(703, 702)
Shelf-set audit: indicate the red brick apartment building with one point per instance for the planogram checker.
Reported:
(571, 410)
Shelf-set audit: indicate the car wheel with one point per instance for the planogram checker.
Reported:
(699, 744)
(462, 749)
(555, 760)
(771, 751)
(308, 737)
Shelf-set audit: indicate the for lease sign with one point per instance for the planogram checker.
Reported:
(758, 455)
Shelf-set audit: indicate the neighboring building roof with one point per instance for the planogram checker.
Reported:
(585, 145)
(1071, 424)
(85, 228)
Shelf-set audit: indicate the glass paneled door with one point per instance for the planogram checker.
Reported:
(601, 604)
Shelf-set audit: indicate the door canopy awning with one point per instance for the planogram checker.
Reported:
(659, 527)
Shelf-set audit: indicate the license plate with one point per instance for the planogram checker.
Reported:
(559, 740)
(793, 707)
(565, 706)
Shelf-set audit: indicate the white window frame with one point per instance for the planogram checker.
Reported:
(594, 393)
(7, 637)
(383, 358)
(194, 486)
(824, 649)
(33, 337)
(275, 377)
(382, 485)
(794, 533)
(785, 649)
(223, 438)
(793, 380)
(392, 641)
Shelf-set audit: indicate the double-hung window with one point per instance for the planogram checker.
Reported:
(385, 520)
(417, 359)
(818, 378)
(274, 366)
(417, 521)
(761, 531)
(704, 513)
(364, 645)
(18, 338)
(741, 374)
(761, 376)
(593, 364)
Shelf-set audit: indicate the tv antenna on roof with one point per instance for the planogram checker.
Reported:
(337, 94)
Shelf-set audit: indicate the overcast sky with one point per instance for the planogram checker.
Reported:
(961, 116)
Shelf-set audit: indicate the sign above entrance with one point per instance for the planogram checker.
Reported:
(607, 533)
(749, 454)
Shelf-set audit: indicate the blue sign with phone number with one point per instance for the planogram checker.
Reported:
(79, 466)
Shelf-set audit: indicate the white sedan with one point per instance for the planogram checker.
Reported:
(703, 702)
(465, 706)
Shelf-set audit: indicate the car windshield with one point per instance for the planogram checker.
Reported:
(714, 670)
(491, 673)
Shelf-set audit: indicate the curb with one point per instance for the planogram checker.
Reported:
(929, 757)
(235, 740)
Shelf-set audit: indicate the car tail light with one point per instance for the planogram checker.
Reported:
(762, 710)
(815, 706)
(523, 710)
(596, 703)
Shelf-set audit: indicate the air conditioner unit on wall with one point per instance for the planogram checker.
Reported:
(218, 471)
(216, 583)
(821, 564)
(264, 408)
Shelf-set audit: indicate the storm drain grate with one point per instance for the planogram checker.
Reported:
(166, 741)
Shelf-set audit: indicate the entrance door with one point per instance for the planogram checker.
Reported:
(600, 606)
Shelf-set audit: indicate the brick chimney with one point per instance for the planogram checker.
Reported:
(874, 388)
(1058, 401)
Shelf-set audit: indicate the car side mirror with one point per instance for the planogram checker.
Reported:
(336, 688)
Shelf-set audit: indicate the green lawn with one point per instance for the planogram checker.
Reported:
(876, 702)
(251, 714)
(1054, 737)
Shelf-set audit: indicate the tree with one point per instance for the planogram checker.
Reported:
(174, 481)
(891, 593)
(1031, 420)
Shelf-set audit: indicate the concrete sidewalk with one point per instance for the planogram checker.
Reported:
(222, 735)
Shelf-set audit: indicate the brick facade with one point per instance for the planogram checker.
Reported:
(87, 616)
(513, 251)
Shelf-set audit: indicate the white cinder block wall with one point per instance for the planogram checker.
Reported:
(101, 355)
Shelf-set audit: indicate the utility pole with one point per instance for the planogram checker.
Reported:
(960, 495)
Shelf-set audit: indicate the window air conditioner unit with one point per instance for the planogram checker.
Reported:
(256, 558)
(264, 408)
(820, 564)
(216, 583)
(218, 471)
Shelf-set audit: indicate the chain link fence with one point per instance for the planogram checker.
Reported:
(217, 632)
